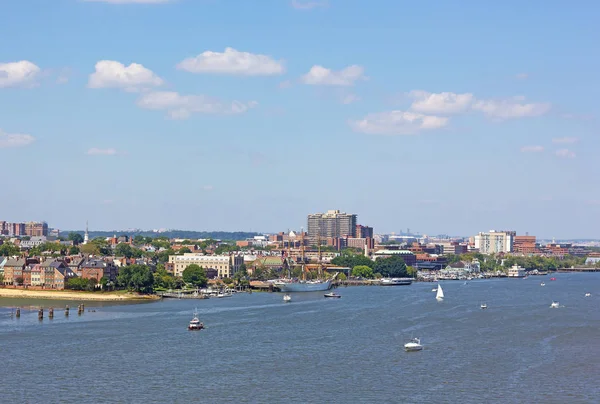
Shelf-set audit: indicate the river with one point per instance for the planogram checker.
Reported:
(258, 349)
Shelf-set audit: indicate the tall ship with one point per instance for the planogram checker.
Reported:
(297, 285)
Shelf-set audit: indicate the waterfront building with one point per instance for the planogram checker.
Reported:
(333, 224)
(409, 258)
(494, 242)
(525, 244)
(226, 265)
(98, 269)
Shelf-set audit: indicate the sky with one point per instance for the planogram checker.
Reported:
(449, 117)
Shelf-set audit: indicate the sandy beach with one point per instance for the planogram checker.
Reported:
(72, 295)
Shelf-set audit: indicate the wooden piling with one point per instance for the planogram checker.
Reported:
(67, 310)
(41, 314)
(51, 312)
(18, 313)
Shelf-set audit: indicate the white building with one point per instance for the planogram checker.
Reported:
(494, 242)
(226, 265)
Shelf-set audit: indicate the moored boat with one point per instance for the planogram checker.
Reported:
(332, 294)
(302, 286)
(396, 281)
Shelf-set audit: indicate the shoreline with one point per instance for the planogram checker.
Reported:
(75, 295)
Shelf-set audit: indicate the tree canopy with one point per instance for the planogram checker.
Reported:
(350, 260)
(137, 278)
(362, 271)
(195, 275)
(391, 267)
(76, 238)
(9, 249)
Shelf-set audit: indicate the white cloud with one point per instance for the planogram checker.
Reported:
(532, 149)
(564, 140)
(14, 139)
(398, 123)
(319, 75)
(350, 98)
(20, 73)
(182, 106)
(233, 62)
(565, 153)
(307, 5)
(440, 103)
(130, 1)
(522, 76)
(510, 108)
(132, 78)
(94, 151)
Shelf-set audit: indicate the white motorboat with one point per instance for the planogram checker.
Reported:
(434, 290)
(483, 305)
(287, 298)
(588, 294)
(413, 345)
(332, 294)
(195, 324)
(440, 293)
(554, 305)
(542, 284)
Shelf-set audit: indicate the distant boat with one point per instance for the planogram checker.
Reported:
(588, 294)
(483, 305)
(434, 290)
(302, 286)
(195, 324)
(287, 298)
(554, 305)
(332, 294)
(440, 293)
(396, 281)
(552, 279)
(413, 345)
(542, 284)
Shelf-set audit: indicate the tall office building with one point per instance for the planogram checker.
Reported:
(332, 224)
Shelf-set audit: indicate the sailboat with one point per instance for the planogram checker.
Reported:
(440, 293)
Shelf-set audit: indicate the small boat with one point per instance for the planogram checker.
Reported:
(332, 294)
(554, 305)
(440, 293)
(195, 324)
(434, 290)
(552, 279)
(287, 298)
(588, 294)
(542, 284)
(483, 305)
(413, 345)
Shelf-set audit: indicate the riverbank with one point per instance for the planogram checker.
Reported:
(74, 295)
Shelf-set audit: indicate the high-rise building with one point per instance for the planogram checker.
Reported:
(332, 224)
(364, 231)
(36, 229)
(495, 241)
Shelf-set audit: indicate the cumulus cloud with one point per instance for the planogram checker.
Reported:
(182, 106)
(319, 75)
(130, 1)
(14, 140)
(397, 123)
(564, 139)
(234, 62)
(132, 78)
(532, 149)
(20, 73)
(307, 5)
(94, 151)
(440, 103)
(565, 153)
(510, 108)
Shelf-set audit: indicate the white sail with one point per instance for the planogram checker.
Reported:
(440, 293)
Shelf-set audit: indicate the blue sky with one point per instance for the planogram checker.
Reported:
(442, 117)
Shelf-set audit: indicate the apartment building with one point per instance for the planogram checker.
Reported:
(494, 242)
(333, 224)
(225, 265)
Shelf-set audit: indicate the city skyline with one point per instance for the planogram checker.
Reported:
(224, 115)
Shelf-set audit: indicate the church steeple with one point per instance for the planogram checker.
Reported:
(86, 236)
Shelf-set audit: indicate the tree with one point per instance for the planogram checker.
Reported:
(163, 279)
(73, 250)
(350, 259)
(341, 277)
(137, 278)
(123, 250)
(77, 283)
(184, 250)
(90, 249)
(391, 267)
(195, 275)
(9, 249)
(76, 238)
(362, 271)
(19, 280)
